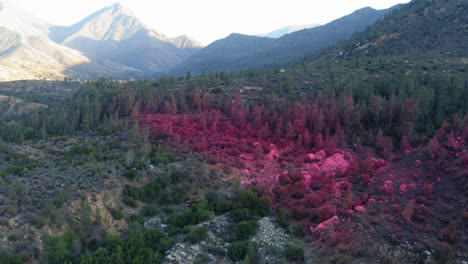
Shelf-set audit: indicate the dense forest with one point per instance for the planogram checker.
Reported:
(265, 125)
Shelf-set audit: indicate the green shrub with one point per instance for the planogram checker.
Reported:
(294, 253)
(202, 258)
(149, 210)
(386, 260)
(168, 210)
(198, 235)
(238, 251)
(342, 259)
(241, 214)
(246, 229)
(177, 175)
(173, 231)
(131, 173)
(197, 214)
(136, 218)
(218, 205)
(13, 236)
(116, 213)
(249, 203)
(11, 259)
(443, 253)
(175, 195)
(162, 156)
(59, 249)
(4, 221)
(296, 230)
(37, 221)
(129, 201)
(149, 193)
(283, 218)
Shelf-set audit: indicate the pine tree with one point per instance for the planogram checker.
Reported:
(307, 139)
(299, 118)
(202, 124)
(264, 132)
(279, 128)
(258, 152)
(465, 133)
(318, 141)
(405, 144)
(257, 118)
(289, 131)
(202, 145)
(197, 104)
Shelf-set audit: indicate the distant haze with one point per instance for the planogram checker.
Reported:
(208, 20)
(286, 30)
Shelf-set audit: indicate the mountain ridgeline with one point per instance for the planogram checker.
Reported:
(430, 27)
(278, 33)
(115, 34)
(242, 51)
(110, 43)
(113, 43)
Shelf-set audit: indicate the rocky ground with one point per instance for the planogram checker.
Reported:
(269, 238)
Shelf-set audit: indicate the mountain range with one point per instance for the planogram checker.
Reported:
(237, 51)
(429, 27)
(114, 33)
(114, 43)
(111, 42)
(278, 33)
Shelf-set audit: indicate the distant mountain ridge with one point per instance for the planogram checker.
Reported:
(110, 43)
(228, 50)
(287, 30)
(115, 34)
(113, 43)
(439, 27)
(235, 53)
(26, 52)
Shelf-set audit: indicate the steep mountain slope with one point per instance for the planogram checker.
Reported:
(26, 52)
(278, 33)
(309, 41)
(422, 26)
(16, 19)
(186, 42)
(114, 33)
(270, 51)
(225, 53)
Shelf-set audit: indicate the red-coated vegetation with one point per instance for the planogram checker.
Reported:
(303, 156)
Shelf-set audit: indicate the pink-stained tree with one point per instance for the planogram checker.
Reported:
(307, 139)
(279, 128)
(264, 132)
(289, 131)
(465, 133)
(202, 123)
(299, 118)
(256, 117)
(405, 144)
(318, 143)
(202, 145)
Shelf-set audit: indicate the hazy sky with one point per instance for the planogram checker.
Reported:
(208, 20)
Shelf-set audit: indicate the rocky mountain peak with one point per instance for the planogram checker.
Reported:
(15, 18)
(185, 41)
(117, 10)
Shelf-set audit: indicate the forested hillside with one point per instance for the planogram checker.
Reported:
(348, 156)
(423, 28)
